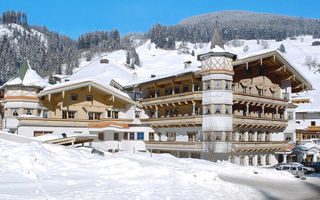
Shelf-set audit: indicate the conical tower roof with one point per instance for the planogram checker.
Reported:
(26, 77)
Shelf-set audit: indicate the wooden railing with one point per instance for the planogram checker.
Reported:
(181, 97)
(258, 146)
(190, 146)
(237, 96)
(178, 120)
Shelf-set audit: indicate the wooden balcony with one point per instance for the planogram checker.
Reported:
(259, 122)
(173, 99)
(257, 146)
(259, 100)
(57, 122)
(179, 121)
(176, 146)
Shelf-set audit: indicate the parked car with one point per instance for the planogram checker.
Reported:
(297, 171)
(308, 170)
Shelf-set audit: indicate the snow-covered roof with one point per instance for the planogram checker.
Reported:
(102, 72)
(26, 77)
(86, 82)
(135, 80)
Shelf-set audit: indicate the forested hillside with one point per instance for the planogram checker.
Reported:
(52, 53)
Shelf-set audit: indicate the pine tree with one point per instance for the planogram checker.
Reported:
(128, 58)
(282, 49)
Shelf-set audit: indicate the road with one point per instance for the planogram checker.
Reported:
(296, 189)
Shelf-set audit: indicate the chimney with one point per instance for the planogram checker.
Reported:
(134, 76)
(187, 64)
(153, 76)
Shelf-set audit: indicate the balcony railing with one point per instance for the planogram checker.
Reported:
(258, 146)
(174, 121)
(181, 97)
(239, 120)
(182, 146)
(237, 96)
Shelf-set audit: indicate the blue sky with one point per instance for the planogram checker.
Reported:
(74, 17)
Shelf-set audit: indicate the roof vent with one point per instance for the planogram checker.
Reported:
(153, 76)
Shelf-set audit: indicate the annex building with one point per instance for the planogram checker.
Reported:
(228, 108)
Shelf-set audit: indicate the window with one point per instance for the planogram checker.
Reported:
(241, 136)
(159, 136)
(14, 111)
(137, 96)
(267, 159)
(113, 114)
(131, 135)
(227, 87)
(168, 91)
(244, 89)
(196, 86)
(125, 135)
(185, 88)
(39, 133)
(68, 114)
(140, 136)
(251, 136)
(227, 109)
(28, 111)
(290, 115)
(217, 108)
(218, 136)
(267, 136)
(177, 90)
(45, 114)
(217, 84)
(228, 136)
(167, 112)
(101, 136)
(171, 136)
(158, 93)
(116, 136)
(89, 98)
(207, 136)
(313, 123)
(74, 97)
(152, 94)
(250, 160)
(260, 92)
(207, 85)
(197, 110)
(192, 136)
(137, 114)
(207, 109)
(94, 115)
(151, 136)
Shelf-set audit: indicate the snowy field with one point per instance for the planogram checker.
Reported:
(43, 171)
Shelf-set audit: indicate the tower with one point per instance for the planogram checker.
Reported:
(217, 99)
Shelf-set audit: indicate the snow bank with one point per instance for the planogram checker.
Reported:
(44, 171)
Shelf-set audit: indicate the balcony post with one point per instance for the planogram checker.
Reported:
(192, 84)
(247, 111)
(284, 158)
(172, 87)
(193, 107)
(155, 91)
(263, 111)
(277, 111)
(157, 112)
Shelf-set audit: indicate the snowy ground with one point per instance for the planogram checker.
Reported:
(43, 171)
